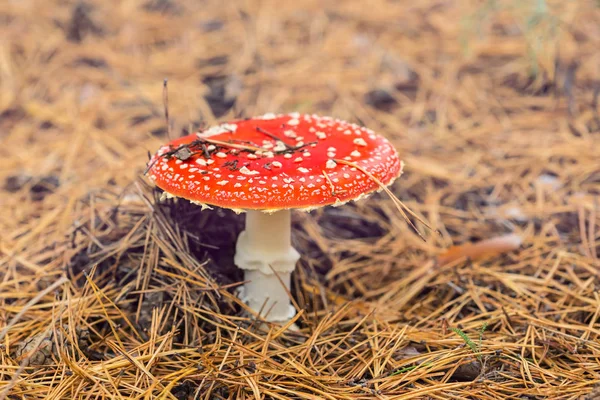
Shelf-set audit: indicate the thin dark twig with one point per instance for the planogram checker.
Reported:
(166, 106)
(272, 136)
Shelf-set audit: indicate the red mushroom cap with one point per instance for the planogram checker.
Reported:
(276, 162)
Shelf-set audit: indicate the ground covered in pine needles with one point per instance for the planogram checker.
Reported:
(107, 292)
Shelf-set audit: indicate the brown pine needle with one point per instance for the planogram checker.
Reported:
(31, 303)
(232, 145)
(400, 206)
(331, 185)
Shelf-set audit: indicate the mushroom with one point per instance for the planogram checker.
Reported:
(267, 166)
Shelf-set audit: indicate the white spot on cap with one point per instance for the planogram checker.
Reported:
(306, 154)
(293, 121)
(303, 170)
(330, 164)
(355, 153)
(298, 159)
(267, 116)
(220, 154)
(360, 141)
(237, 185)
(222, 183)
(280, 146)
(201, 161)
(290, 133)
(217, 130)
(252, 156)
(287, 155)
(244, 170)
(276, 164)
(321, 135)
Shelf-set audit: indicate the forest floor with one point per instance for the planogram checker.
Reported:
(107, 292)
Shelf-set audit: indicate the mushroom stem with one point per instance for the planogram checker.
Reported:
(265, 253)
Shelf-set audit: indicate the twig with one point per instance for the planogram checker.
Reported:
(166, 107)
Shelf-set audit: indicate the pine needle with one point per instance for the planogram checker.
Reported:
(400, 206)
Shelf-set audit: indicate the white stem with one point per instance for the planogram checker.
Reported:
(262, 249)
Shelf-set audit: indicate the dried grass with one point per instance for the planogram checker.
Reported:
(107, 293)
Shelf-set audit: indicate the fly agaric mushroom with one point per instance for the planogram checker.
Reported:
(267, 166)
